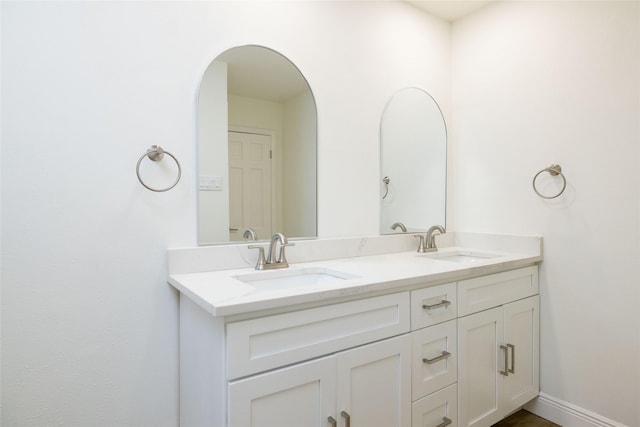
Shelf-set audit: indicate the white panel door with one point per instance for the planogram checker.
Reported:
(521, 321)
(479, 361)
(249, 184)
(302, 395)
(374, 384)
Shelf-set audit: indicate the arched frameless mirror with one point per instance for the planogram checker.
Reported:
(256, 148)
(413, 180)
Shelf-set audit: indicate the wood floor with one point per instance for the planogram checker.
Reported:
(524, 418)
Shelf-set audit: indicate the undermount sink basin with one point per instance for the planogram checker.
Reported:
(292, 278)
(462, 256)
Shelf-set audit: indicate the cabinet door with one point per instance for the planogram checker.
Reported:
(374, 384)
(480, 359)
(521, 320)
(302, 395)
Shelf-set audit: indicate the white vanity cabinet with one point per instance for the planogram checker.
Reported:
(418, 357)
(498, 347)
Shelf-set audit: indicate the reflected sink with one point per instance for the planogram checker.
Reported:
(462, 256)
(291, 278)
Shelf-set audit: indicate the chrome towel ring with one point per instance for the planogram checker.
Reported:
(554, 170)
(156, 153)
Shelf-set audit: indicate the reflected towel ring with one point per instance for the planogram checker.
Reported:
(386, 181)
(554, 170)
(156, 153)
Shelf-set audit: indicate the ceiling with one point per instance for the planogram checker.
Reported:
(258, 72)
(450, 10)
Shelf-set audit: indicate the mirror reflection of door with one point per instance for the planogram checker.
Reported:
(256, 90)
(250, 195)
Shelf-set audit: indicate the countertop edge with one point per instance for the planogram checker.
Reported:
(371, 287)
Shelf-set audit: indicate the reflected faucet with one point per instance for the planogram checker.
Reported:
(271, 262)
(427, 243)
(399, 224)
(250, 234)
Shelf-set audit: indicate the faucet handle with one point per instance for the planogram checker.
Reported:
(282, 259)
(420, 242)
(261, 261)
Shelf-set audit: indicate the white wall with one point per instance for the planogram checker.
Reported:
(213, 153)
(537, 83)
(89, 325)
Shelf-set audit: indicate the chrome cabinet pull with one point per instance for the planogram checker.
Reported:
(443, 303)
(332, 421)
(513, 358)
(444, 355)
(506, 360)
(347, 418)
(445, 422)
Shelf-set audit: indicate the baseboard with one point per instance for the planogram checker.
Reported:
(566, 414)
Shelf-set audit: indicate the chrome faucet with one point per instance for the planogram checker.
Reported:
(399, 224)
(271, 261)
(278, 237)
(430, 239)
(250, 234)
(427, 243)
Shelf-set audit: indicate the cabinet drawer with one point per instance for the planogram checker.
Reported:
(434, 358)
(439, 409)
(260, 344)
(485, 292)
(430, 306)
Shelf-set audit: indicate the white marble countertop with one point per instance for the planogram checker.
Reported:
(221, 293)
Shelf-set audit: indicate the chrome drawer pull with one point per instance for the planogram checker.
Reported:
(444, 355)
(347, 418)
(445, 422)
(443, 303)
(513, 358)
(332, 421)
(506, 360)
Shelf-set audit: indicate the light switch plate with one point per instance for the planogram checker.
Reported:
(210, 183)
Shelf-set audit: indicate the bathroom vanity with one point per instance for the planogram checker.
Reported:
(382, 336)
